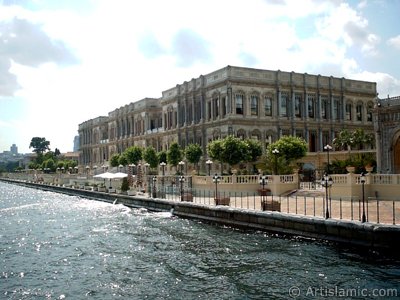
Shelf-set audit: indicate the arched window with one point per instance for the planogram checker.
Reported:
(311, 105)
(359, 114)
(370, 107)
(268, 106)
(254, 105)
(284, 103)
(239, 104)
(349, 108)
(297, 105)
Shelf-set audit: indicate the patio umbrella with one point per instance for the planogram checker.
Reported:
(106, 175)
(120, 175)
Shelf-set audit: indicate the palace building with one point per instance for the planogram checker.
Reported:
(245, 102)
(387, 131)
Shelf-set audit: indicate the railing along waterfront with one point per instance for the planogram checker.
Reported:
(381, 211)
(378, 209)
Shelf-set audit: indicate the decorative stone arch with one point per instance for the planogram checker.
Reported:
(241, 133)
(349, 108)
(243, 94)
(395, 152)
(216, 134)
(255, 133)
(360, 114)
(370, 107)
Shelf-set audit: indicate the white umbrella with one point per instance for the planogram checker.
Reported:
(106, 175)
(120, 175)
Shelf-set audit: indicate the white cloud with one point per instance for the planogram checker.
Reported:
(386, 84)
(395, 42)
(128, 50)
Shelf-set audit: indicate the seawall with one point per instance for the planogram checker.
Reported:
(371, 235)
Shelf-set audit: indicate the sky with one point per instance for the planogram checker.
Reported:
(68, 61)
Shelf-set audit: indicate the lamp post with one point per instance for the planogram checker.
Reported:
(154, 186)
(362, 181)
(209, 163)
(216, 180)
(181, 164)
(87, 170)
(120, 167)
(146, 167)
(263, 182)
(328, 148)
(326, 182)
(181, 181)
(275, 152)
(162, 164)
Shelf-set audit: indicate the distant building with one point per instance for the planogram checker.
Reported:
(244, 102)
(76, 143)
(387, 131)
(14, 149)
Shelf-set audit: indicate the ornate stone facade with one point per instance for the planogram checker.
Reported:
(245, 102)
(387, 132)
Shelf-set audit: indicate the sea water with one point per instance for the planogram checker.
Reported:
(55, 246)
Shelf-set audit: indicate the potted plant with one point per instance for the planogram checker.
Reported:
(102, 188)
(124, 186)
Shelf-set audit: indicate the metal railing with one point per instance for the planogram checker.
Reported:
(380, 211)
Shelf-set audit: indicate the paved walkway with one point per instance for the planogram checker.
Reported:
(385, 212)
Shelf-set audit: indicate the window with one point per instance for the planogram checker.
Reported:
(311, 105)
(268, 106)
(359, 112)
(216, 107)
(208, 110)
(369, 112)
(297, 105)
(239, 104)
(348, 111)
(284, 100)
(254, 105)
(324, 107)
(336, 109)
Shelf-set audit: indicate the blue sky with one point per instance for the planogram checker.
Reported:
(65, 62)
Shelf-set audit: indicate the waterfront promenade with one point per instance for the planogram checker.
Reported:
(240, 213)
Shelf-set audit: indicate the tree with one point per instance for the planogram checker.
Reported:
(230, 150)
(234, 150)
(133, 154)
(57, 152)
(254, 150)
(162, 157)
(39, 145)
(174, 154)
(214, 150)
(193, 154)
(290, 149)
(114, 160)
(150, 156)
(123, 160)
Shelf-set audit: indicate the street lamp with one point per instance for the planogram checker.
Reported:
(146, 166)
(328, 148)
(181, 181)
(275, 152)
(216, 180)
(87, 170)
(209, 163)
(162, 164)
(120, 167)
(362, 181)
(181, 164)
(263, 182)
(326, 182)
(154, 186)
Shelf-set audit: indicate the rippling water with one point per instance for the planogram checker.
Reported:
(55, 246)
